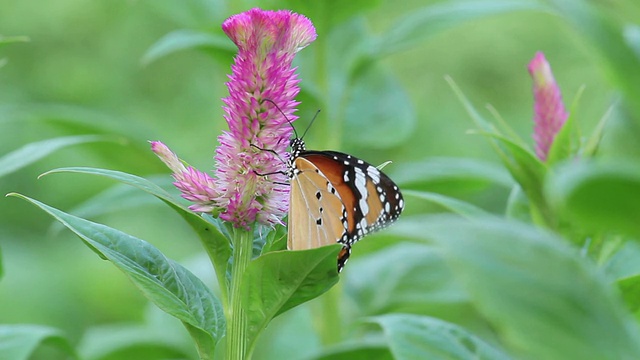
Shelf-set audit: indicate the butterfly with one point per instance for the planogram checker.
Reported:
(336, 198)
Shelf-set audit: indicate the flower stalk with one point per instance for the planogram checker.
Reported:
(235, 313)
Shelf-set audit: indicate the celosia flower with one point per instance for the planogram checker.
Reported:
(259, 132)
(549, 111)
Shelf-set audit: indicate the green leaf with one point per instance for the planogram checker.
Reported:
(125, 341)
(276, 240)
(132, 180)
(420, 282)
(421, 337)
(442, 174)
(115, 199)
(35, 151)
(525, 168)
(280, 280)
(564, 145)
(19, 342)
(529, 172)
(518, 207)
(632, 37)
(334, 64)
(166, 283)
(431, 20)
(544, 299)
(459, 207)
(598, 196)
(329, 13)
(505, 127)
(624, 268)
(480, 122)
(355, 351)
(180, 40)
(592, 144)
(208, 229)
(4, 40)
(75, 119)
(523, 165)
(630, 290)
(607, 37)
(623, 263)
(191, 13)
(376, 97)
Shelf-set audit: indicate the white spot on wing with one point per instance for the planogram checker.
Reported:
(374, 174)
(363, 224)
(364, 207)
(361, 187)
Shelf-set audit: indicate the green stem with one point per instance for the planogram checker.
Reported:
(327, 316)
(235, 314)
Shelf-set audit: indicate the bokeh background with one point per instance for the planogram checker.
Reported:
(94, 67)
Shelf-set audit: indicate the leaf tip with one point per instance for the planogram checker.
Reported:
(16, 195)
(44, 174)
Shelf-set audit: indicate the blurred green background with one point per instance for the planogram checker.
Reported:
(82, 72)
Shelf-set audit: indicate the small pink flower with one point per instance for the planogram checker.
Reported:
(259, 132)
(549, 111)
(196, 186)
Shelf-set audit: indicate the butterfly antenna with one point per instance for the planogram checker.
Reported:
(311, 123)
(283, 114)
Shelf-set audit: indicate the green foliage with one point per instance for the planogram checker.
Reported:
(128, 341)
(377, 97)
(431, 20)
(421, 283)
(164, 282)
(563, 146)
(607, 37)
(451, 204)
(279, 281)
(4, 40)
(421, 337)
(188, 39)
(20, 342)
(33, 152)
(214, 241)
(449, 174)
(544, 300)
(525, 168)
(599, 197)
(553, 273)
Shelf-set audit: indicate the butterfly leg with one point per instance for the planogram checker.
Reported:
(272, 173)
(268, 150)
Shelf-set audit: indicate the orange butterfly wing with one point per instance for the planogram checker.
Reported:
(316, 214)
(338, 198)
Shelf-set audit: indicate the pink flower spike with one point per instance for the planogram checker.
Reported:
(167, 156)
(258, 132)
(196, 186)
(250, 160)
(549, 110)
